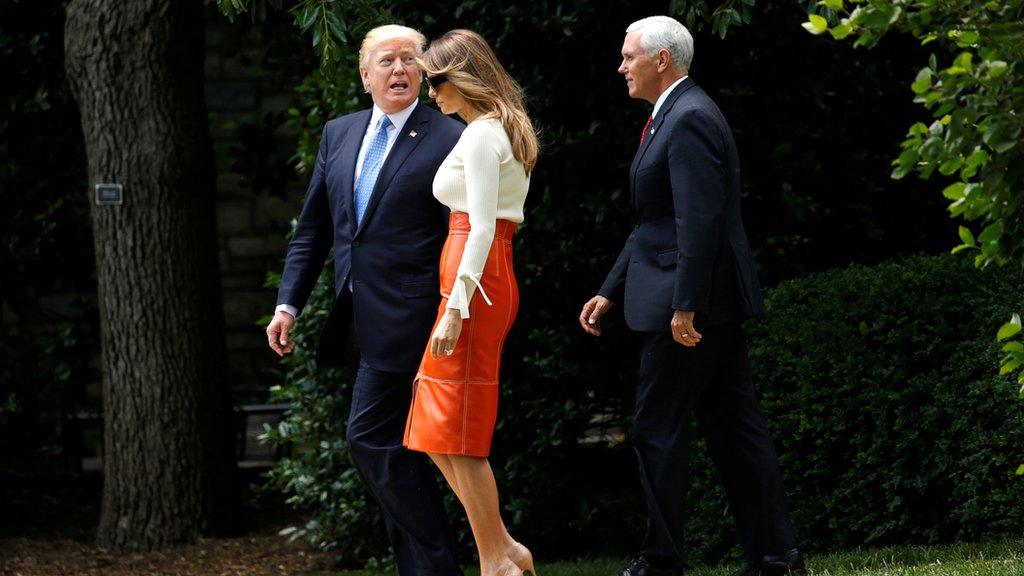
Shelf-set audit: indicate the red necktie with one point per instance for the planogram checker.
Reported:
(647, 126)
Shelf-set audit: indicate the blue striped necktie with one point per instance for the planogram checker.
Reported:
(371, 167)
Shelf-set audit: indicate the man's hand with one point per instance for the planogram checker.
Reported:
(446, 335)
(593, 310)
(682, 328)
(277, 333)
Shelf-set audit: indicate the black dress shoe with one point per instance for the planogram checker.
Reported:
(641, 566)
(789, 563)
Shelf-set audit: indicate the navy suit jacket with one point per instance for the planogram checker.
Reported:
(688, 249)
(392, 257)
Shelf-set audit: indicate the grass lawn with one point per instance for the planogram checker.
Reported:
(1006, 559)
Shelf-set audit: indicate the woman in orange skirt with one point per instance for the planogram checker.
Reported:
(484, 181)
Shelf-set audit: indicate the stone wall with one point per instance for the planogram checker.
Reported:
(252, 226)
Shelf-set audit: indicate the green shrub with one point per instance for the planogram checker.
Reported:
(882, 388)
(880, 385)
(48, 334)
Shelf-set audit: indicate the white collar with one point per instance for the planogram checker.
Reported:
(664, 95)
(397, 118)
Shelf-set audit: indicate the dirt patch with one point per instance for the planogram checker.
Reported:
(264, 555)
(48, 526)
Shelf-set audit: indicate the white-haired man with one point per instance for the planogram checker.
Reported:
(686, 279)
(370, 198)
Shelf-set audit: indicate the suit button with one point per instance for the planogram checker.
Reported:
(355, 244)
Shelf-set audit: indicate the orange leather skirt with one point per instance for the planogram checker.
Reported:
(455, 398)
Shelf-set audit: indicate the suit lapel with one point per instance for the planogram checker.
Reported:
(648, 137)
(418, 124)
(656, 124)
(347, 159)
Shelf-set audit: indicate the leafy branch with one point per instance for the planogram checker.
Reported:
(697, 14)
(328, 22)
(976, 98)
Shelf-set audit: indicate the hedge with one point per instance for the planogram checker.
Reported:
(879, 383)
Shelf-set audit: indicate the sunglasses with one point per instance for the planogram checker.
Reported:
(435, 82)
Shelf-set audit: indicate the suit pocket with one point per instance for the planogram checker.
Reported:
(649, 168)
(421, 180)
(420, 289)
(668, 257)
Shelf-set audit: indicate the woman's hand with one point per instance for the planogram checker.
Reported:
(446, 335)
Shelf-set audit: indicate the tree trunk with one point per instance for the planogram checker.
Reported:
(136, 69)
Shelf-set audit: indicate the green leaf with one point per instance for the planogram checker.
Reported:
(909, 157)
(1004, 146)
(966, 236)
(952, 165)
(923, 81)
(1011, 365)
(957, 208)
(897, 11)
(1010, 329)
(1020, 470)
(964, 60)
(997, 68)
(955, 191)
(815, 24)
(992, 233)
(841, 31)
(337, 26)
(307, 18)
(967, 38)
(833, 4)
(977, 158)
(989, 250)
(931, 148)
(1014, 347)
(1001, 136)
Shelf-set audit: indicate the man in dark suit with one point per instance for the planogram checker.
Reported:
(686, 279)
(370, 197)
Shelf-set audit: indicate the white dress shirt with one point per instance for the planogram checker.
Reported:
(664, 95)
(398, 120)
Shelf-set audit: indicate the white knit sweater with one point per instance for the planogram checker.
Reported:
(482, 178)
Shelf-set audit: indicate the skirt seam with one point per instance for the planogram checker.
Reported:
(469, 358)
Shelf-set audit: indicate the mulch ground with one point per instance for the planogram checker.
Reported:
(267, 555)
(47, 528)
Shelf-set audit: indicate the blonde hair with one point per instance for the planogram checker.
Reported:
(389, 32)
(470, 65)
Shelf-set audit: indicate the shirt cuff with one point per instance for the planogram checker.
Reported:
(287, 308)
(459, 298)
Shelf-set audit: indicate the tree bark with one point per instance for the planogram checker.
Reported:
(136, 70)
